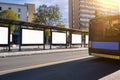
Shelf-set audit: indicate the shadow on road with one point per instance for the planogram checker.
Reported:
(85, 69)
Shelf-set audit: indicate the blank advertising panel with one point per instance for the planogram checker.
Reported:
(76, 39)
(11, 37)
(4, 35)
(58, 38)
(32, 36)
(86, 39)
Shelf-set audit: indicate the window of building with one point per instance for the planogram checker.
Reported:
(9, 8)
(0, 8)
(19, 10)
(19, 16)
(73, 26)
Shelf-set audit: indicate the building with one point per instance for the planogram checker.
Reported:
(30, 11)
(25, 11)
(81, 11)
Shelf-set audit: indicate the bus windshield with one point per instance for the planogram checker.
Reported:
(105, 29)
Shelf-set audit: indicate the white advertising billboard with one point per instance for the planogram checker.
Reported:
(58, 38)
(76, 39)
(32, 36)
(11, 37)
(3, 35)
(86, 39)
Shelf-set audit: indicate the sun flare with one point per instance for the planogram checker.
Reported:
(109, 2)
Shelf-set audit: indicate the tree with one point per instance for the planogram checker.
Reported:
(61, 26)
(9, 14)
(41, 15)
(48, 15)
(47, 34)
(54, 15)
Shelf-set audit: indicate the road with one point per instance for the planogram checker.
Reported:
(10, 63)
(76, 65)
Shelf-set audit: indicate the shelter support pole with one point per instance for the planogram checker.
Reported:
(20, 38)
(70, 39)
(9, 37)
(50, 38)
(66, 39)
(44, 39)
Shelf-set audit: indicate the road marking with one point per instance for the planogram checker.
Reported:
(38, 66)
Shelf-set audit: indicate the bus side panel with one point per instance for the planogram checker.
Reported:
(105, 45)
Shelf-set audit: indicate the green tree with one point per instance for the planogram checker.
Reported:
(61, 26)
(9, 14)
(47, 34)
(54, 15)
(48, 15)
(41, 14)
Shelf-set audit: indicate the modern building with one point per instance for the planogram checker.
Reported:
(81, 11)
(25, 11)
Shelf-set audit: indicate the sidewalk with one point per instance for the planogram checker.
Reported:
(27, 53)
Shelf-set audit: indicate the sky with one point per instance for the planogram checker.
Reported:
(63, 4)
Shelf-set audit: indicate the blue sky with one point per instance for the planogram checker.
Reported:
(63, 4)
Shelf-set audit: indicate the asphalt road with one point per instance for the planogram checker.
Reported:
(26, 61)
(83, 68)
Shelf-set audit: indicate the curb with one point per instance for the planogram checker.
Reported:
(28, 53)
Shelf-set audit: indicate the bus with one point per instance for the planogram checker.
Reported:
(104, 37)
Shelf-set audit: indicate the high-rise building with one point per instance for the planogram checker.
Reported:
(25, 11)
(81, 11)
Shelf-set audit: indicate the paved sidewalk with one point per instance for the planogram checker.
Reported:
(25, 53)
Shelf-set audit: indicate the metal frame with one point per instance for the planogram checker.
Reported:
(40, 26)
(75, 32)
(76, 43)
(31, 44)
(58, 44)
(84, 41)
(6, 45)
